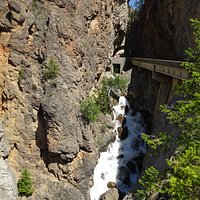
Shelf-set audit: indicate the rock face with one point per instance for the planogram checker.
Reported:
(59, 190)
(8, 186)
(41, 117)
(111, 194)
(163, 29)
(8, 189)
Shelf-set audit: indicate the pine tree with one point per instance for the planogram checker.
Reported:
(182, 181)
(183, 178)
(25, 184)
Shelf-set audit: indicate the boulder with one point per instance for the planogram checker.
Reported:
(111, 184)
(123, 134)
(124, 122)
(120, 117)
(69, 149)
(111, 194)
(59, 190)
(126, 109)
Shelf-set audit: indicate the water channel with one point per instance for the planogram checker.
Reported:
(120, 165)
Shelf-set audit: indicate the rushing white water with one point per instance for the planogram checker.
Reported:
(117, 164)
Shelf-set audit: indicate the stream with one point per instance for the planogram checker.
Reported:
(120, 165)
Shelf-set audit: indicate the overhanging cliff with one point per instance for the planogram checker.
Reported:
(163, 29)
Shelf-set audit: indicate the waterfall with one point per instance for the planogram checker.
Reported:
(119, 166)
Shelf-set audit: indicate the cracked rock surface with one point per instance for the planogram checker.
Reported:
(42, 123)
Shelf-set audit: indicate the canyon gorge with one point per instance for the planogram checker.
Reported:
(41, 126)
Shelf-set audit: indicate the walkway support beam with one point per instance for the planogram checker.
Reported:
(167, 67)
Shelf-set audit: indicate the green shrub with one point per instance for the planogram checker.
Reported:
(92, 106)
(149, 182)
(118, 82)
(90, 109)
(161, 140)
(34, 87)
(103, 100)
(184, 180)
(50, 93)
(25, 184)
(51, 70)
(115, 83)
(22, 74)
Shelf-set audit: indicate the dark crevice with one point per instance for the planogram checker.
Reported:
(42, 141)
(5, 29)
(19, 85)
(15, 146)
(30, 30)
(118, 49)
(40, 58)
(41, 133)
(9, 16)
(48, 22)
(120, 1)
(116, 68)
(4, 101)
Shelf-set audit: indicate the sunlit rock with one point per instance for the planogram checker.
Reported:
(111, 184)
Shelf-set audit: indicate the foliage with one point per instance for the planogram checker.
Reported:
(106, 84)
(100, 140)
(50, 93)
(117, 83)
(34, 87)
(186, 112)
(182, 180)
(25, 184)
(149, 183)
(90, 109)
(51, 70)
(92, 106)
(161, 139)
(22, 74)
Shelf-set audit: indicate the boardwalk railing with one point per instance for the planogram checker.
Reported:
(167, 67)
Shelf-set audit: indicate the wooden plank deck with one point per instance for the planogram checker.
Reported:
(168, 67)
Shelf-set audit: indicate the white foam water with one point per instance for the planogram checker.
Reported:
(117, 163)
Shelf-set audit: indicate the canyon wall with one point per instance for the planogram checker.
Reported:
(40, 116)
(8, 186)
(163, 31)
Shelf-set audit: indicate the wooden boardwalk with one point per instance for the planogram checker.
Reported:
(166, 73)
(168, 67)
